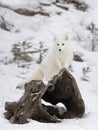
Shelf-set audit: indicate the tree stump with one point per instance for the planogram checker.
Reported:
(29, 105)
(62, 88)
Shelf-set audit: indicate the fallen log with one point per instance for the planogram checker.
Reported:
(29, 105)
(28, 12)
(62, 88)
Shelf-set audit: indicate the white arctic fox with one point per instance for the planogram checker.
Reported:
(59, 56)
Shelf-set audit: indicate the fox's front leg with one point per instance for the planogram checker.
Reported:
(59, 65)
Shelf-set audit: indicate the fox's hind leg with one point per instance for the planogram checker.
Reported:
(36, 75)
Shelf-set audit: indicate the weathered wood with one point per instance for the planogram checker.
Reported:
(62, 88)
(29, 105)
(28, 12)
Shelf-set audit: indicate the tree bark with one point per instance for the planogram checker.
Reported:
(62, 88)
(29, 105)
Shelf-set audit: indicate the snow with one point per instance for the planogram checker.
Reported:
(20, 3)
(40, 28)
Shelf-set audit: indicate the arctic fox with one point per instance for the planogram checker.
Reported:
(59, 56)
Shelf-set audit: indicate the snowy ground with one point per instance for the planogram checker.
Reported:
(40, 28)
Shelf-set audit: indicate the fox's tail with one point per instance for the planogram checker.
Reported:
(37, 74)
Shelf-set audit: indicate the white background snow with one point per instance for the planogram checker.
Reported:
(40, 28)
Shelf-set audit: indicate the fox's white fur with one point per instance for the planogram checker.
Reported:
(59, 56)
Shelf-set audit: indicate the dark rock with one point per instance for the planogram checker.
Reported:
(78, 58)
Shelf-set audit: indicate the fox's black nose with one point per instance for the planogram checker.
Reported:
(59, 49)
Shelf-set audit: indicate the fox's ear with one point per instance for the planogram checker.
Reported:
(66, 37)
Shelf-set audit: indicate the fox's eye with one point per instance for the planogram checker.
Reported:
(62, 44)
(57, 44)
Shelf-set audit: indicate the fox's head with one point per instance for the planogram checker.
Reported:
(60, 42)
